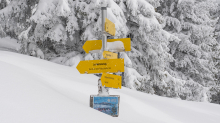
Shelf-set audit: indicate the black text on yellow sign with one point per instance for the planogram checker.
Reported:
(111, 81)
(101, 66)
(109, 55)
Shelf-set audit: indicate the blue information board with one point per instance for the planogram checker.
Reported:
(108, 105)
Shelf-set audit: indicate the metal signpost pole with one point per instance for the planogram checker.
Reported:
(109, 63)
(104, 37)
(102, 90)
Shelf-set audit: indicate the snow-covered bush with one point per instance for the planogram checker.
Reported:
(33, 50)
(2, 32)
(69, 59)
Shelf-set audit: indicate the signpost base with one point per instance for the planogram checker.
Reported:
(103, 91)
(106, 104)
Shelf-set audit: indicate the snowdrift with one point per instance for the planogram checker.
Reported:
(37, 91)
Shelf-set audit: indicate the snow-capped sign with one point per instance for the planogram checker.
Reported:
(111, 81)
(97, 44)
(108, 105)
(109, 55)
(116, 46)
(101, 66)
(110, 27)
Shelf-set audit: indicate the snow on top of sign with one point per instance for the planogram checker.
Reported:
(115, 46)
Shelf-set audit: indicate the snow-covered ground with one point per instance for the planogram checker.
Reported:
(9, 44)
(37, 91)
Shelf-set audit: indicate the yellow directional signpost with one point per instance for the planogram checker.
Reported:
(110, 64)
(109, 27)
(97, 44)
(109, 55)
(101, 66)
(111, 81)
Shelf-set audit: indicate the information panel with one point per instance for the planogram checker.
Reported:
(108, 105)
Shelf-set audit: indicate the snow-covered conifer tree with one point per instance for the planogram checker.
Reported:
(150, 52)
(15, 16)
(193, 22)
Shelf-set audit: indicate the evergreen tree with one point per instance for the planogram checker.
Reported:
(194, 23)
(15, 20)
(150, 53)
(15, 16)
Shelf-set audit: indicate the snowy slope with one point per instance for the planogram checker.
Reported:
(38, 91)
(9, 44)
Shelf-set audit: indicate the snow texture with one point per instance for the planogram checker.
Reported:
(116, 46)
(9, 43)
(174, 43)
(34, 90)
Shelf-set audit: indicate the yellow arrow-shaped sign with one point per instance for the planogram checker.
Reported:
(111, 81)
(101, 66)
(110, 27)
(110, 55)
(97, 44)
